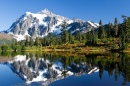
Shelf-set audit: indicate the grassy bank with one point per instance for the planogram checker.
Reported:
(104, 45)
(68, 48)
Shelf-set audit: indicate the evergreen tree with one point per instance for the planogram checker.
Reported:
(18, 48)
(121, 29)
(108, 31)
(101, 32)
(64, 33)
(124, 27)
(51, 39)
(116, 27)
(78, 35)
(71, 38)
(91, 38)
(84, 37)
(27, 41)
(58, 40)
(22, 42)
(112, 30)
(127, 32)
(37, 42)
(94, 37)
(122, 42)
(88, 38)
(45, 41)
(13, 44)
(31, 42)
(22, 47)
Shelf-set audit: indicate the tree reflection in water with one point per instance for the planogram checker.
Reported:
(49, 67)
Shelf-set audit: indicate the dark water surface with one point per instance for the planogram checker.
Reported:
(66, 70)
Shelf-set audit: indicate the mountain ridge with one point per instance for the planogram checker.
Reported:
(41, 23)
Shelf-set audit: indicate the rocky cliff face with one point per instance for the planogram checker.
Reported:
(41, 23)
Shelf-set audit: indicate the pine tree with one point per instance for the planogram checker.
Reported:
(116, 27)
(27, 41)
(23, 48)
(51, 39)
(128, 29)
(37, 41)
(45, 41)
(78, 35)
(58, 40)
(108, 31)
(101, 32)
(125, 32)
(89, 37)
(124, 28)
(83, 37)
(64, 32)
(112, 30)
(31, 42)
(13, 44)
(71, 38)
(122, 42)
(94, 38)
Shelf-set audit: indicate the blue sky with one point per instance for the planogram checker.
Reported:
(93, 10)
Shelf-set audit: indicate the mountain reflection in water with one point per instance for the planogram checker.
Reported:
(47, 68)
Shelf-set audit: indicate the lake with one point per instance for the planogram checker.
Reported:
(65, 69)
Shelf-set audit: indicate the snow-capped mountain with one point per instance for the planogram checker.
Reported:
(43, 70)
(41, 23)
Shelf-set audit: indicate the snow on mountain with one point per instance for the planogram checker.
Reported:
(93, 24)
(41, 23)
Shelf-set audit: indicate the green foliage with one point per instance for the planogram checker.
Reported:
(123, 44)
(103, 36)
(23, 48)
(5, 47)
(58, 40)
(116, 27)
(45, 41)
(27, 41)
(101, 32)
(114, 46)
(78, 36)
(109, 31)
(65, 35)
(5, 53)
(37, 42)
(31, 42)
(91, 38)
(18, 47)
(71, 38)
(51, 39)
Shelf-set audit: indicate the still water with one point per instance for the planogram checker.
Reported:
(65, 70)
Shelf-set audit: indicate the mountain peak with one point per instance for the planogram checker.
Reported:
(28, 13)
(45, 11)
(41, 23)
